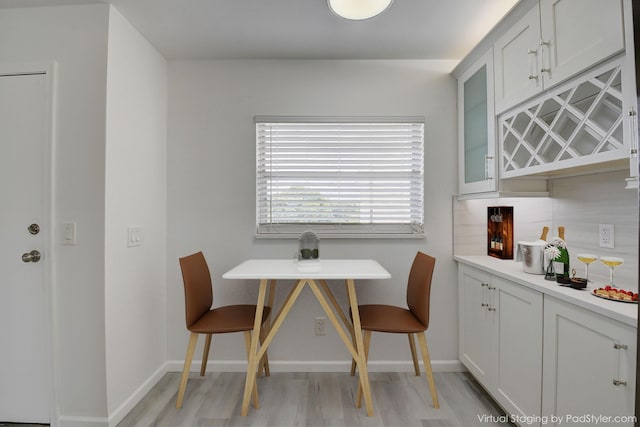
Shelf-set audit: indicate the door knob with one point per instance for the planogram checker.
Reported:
(33, 256)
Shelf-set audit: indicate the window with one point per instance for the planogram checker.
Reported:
(340, 177)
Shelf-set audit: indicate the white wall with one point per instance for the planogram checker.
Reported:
(211, 194)
(75, 38)
(135, 277)
(581, 204)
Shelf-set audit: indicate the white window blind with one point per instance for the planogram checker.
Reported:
(340, 177)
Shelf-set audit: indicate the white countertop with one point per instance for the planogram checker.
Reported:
(511, 270)
(320, 269)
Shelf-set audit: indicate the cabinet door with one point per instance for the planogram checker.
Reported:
(476, 127)
(476, 337)
(584, 354)
(519, 334)
(579, 33)
(516, 62)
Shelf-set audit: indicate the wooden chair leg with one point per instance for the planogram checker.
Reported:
(414, 356)
(366, 341)
(191, 348)
(247, 342)
(205, 355)
(427, 367)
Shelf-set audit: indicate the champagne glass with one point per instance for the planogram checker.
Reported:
(611, 262)
(587, 259)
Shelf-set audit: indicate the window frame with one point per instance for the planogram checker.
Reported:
(343, 230)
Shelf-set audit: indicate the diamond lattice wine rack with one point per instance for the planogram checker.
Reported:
(575, 124)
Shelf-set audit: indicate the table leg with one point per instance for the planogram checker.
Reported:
(358, 353)
(361, 360)
(332, 317)
(252, 364)
(335, 304)
(264, 362)
(353, 337)
(284, 311)
(367, 342)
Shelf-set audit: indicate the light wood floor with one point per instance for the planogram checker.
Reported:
(316, 399)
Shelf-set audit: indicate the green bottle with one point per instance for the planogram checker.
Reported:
(561, 263)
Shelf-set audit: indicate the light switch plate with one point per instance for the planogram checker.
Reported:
(134, 236)
(68, 233)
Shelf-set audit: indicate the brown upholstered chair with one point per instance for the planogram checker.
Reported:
(411, 321)
(203, 319)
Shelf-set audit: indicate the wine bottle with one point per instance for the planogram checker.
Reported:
(561, 263)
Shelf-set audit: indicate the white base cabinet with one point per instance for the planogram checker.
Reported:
(500, 341)
(589, 367)
(518, 382)
(544, 360)
(477, 324)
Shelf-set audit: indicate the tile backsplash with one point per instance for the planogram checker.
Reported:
(580, 204)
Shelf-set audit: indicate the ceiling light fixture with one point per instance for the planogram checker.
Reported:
(358, 9)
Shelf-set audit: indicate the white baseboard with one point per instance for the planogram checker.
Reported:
(117, 415)
(72, 421)
(317, 366)
(121, 411)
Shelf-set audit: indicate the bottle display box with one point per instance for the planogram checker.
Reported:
(500, 231)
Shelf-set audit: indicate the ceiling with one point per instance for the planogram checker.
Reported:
(304, 29)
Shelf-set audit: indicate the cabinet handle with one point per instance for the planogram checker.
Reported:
(633, 125)
(484, 302)
(619, 382)
(533, 64)
(491, 288)
(620, 346)
(544, 44)
(486, 167)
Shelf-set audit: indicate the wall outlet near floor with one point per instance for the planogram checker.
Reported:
(606, 235)
(320, 326)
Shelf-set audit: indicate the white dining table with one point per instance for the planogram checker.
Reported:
(315, 274)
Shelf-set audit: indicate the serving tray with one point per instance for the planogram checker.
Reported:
(613, 298)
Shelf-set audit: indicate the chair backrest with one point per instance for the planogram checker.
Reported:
(198, 293)
(419, 286)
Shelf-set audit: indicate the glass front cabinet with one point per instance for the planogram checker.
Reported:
(476, 128)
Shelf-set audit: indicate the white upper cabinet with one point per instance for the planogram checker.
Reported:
(476, 128)
(577, 34)
(517, 74)
(552, 42)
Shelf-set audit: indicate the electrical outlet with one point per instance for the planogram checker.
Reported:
(606, 235)
(320, 326)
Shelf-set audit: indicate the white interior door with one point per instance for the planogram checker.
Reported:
(24, 322)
